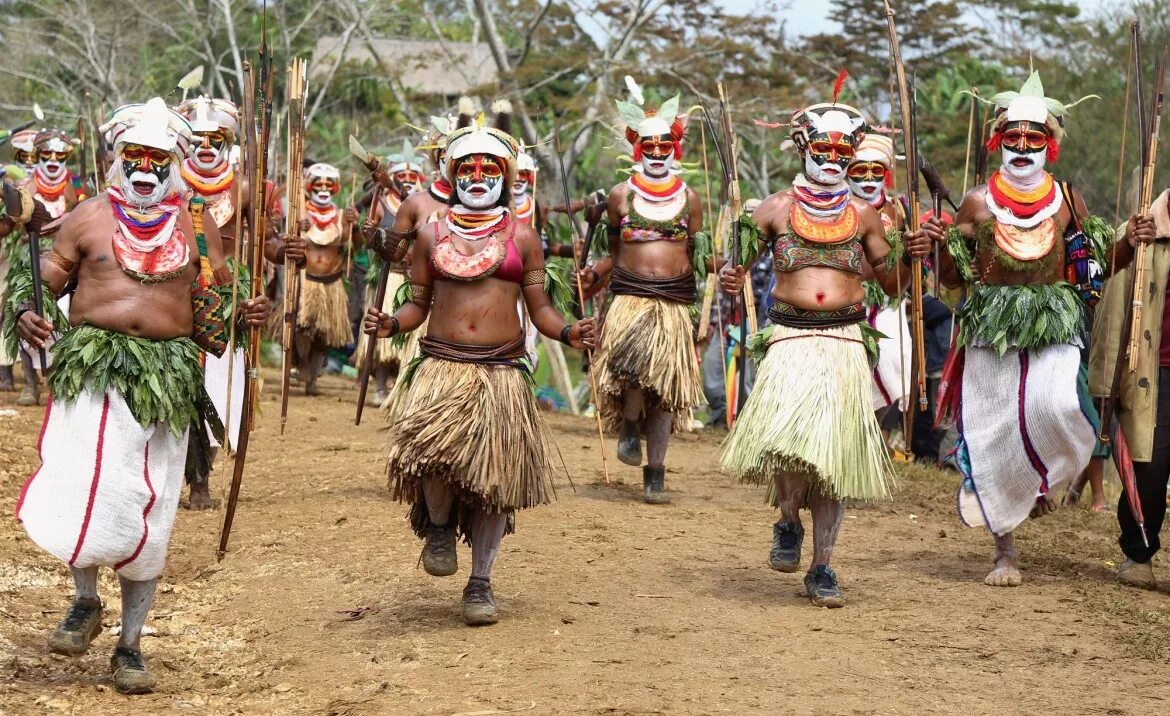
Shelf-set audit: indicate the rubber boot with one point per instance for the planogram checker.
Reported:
(654, 486)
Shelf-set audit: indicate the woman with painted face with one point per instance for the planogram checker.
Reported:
(809, 432)
(406, 179)
(648, 374)
(127, 385)
(869, 175)
(469, 447)
(323, 313)
(1032, 259)
(14, 252)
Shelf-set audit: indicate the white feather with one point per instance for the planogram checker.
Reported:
(501, 106)
(635, 91)
(192, 79)
(466, 106)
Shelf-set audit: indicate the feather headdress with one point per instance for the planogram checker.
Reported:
(1030, 105)
(641, 123)
(405, 159)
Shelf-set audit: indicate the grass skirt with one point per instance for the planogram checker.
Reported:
(648, 343)
(811, 413)
(477, 428)
(324, 311)
(386, 352)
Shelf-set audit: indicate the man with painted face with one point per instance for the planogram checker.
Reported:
(809, 432)
(470, 448)
(14, 253)
(648, 377)
(1031, 257)
(208, 171)
(869, 175)
(323, 314)
(127, 385)
(406, 179)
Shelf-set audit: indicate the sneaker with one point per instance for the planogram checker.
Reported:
(439, 557)
(29, 395)
(821, 586)
(629, 448)
(81, 624)
(130, 673)
(479, 604)
(787, 538)
(1137, 574)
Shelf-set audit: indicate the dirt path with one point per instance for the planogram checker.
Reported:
(609, 606)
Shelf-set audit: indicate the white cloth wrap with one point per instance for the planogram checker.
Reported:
(107, 488)
(1008, 462)
(891, 375)
(215, 379)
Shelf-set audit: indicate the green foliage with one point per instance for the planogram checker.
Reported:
(1021, 317)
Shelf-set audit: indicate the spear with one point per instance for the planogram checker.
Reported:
(910, 135)
(577, 265)
(938, 194)
(23, 126)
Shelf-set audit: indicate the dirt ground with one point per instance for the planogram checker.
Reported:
(609, 606)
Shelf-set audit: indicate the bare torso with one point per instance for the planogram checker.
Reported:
(657, 259)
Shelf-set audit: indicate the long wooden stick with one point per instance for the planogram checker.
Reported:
(709, 290)
(294, 198)
(372, 339)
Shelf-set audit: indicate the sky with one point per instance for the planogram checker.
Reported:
(808, 17)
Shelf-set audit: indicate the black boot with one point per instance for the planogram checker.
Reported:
(629, 449)
(654, 486)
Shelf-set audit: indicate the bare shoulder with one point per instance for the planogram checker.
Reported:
(84, 218)
(869, 215)
(527, 240)
(618, 193)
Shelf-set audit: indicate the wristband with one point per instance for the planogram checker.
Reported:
(906, 260)
(394, 326)
(565, 334)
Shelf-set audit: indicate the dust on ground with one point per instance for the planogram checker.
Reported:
(608, 606)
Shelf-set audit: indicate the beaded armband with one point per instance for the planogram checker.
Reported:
(534, 277)
(420, 294)
(60, 261)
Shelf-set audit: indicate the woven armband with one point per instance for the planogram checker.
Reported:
(534, 277)
(60, 261)
(420, 294)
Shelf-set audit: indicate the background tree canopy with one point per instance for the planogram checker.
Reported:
(562, 62)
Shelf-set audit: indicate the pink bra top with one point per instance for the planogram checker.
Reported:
(503, 263)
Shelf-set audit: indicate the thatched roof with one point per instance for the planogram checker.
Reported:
(423, 66)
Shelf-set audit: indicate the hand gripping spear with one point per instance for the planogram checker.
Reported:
(371, 162)
(910, 134)
(938, 194)
(578, 265)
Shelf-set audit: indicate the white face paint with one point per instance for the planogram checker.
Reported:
(143, 189)
(321, 198)
(480, 195)
(1024, 169)
(867, 190)
(209, 152)
(828, 173)
(52, 170)
(479, 181)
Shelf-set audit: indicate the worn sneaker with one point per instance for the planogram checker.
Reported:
(81, 624)
(629, 448)
(130, 673)
(787, 538)
(1137, 574)
(439, 557)
(821, 586)
(479, 604)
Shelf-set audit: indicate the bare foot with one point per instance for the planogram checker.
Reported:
(201, 498)
(7, 381)
(1100, 506)
(1045, 505)
(1071, 498)
(1007, 566)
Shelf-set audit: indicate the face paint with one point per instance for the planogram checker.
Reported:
(866, 180)
(146, 174)
(656, 155)
(479, 181)
(26, 159)
(321, 191)
(522, 184)
(407, 182)
(52, 164)
(827, 156)
(209, 150)
(1024, 147)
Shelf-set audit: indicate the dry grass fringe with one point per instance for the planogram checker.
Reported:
(649, 343)
(811, 412)
(325, 311)
(475, 427)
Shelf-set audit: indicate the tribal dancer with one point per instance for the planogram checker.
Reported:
(648, 375)
(470, 447)
(528, 211)
(126, 383)
(208, 171)
(323, 314)
(869, 175)
(809, 431)
(1031, 255)
(14, 249)
(406, 179)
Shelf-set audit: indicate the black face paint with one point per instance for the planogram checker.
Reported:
(160, 171)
